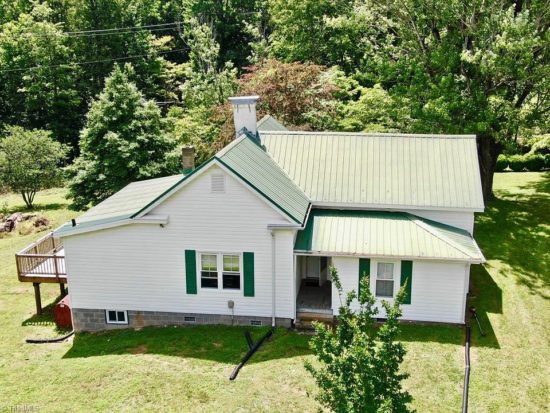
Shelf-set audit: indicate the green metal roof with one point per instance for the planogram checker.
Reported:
(124, 204)
(384, 234)
(248, 160)
(269, 123)
(244, 157)
(340, 170)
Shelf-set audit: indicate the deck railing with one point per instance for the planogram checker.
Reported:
(42, 258)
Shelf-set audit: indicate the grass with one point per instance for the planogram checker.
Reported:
(187, 369)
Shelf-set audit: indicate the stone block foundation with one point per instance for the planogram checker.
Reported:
(94, 320)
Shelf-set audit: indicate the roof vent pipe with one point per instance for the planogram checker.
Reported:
(187, 159)
(244, 113)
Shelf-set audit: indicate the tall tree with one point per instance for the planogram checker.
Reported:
(37, 79)
(475, 66)
(324, 32)
(30, 160)
(124, 140)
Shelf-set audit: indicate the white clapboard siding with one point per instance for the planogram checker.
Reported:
(142, 267)
(438, 288)
(462, 220)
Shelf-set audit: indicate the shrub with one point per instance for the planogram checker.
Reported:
(517, 163)
(502, 163)
(534, 162)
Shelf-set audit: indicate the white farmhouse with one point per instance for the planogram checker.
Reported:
(249, 236)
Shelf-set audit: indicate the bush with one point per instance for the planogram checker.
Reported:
(534, 162)
(502, 163)
(516, 163)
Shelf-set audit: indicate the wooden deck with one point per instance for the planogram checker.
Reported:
(42, 262)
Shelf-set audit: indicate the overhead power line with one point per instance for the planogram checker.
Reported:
(105, 32)
(20, 69)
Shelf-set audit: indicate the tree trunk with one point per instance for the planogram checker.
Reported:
(488, 151)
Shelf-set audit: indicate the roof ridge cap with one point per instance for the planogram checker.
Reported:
(373, 134)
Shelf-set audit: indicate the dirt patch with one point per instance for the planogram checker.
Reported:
(141, 349)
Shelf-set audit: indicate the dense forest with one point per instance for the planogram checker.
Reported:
(123, 84)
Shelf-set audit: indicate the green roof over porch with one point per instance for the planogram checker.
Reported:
(384, 234)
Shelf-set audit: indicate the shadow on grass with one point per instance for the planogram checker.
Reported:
(222, 344)
(54, 206)
(44, 319)
(515, 230)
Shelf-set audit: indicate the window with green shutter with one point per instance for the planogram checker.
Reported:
(248, 274)
(406, 278)
(364, 271)
(191, 271)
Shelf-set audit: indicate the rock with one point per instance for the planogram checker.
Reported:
(26, 217)
(41, 222)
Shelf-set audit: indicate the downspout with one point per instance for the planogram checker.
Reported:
(273, 284)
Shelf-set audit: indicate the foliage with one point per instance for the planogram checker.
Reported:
(360, 364)
(124, 140)
(295, 93)
(479, 69)
(324, 32)
(208, 82)
(373, 111)
(502, 163)
(527, 162)
(30, 161)
(44, 96)
(540, 145)
(195, 127)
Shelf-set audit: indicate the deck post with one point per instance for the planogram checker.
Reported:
(37, 298)
(62, 290)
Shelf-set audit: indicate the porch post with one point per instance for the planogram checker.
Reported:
(37, 298)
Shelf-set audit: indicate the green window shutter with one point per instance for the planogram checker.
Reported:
(406, 277)
(191, 271)
(364, 271)
(248, 274)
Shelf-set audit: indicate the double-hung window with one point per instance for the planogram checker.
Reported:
(385, 279)
(220, 271)
(209, 271)
(231, 272)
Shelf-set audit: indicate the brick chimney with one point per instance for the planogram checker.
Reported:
(187, 159)
(244, 113)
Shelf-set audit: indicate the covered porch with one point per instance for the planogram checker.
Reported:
(313, 289)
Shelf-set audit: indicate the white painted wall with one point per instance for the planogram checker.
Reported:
(438, 288)
(463, 220)
(142, 267)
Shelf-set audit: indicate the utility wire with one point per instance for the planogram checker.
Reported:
(20, 69)
(104, 32)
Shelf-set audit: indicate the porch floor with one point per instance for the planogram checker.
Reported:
(315, 299)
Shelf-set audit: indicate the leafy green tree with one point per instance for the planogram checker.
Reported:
(37, 80)
(30, 160)
(359, 363)
(476, 67)
(207, 82)
(124, 140)
(324, 32)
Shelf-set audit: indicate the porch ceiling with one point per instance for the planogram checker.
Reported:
(384, 234)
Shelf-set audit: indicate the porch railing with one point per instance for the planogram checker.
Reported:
(42, 258)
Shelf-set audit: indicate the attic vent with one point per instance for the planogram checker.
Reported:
(218, 183)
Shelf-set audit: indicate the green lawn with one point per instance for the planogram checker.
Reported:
(187, 369)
